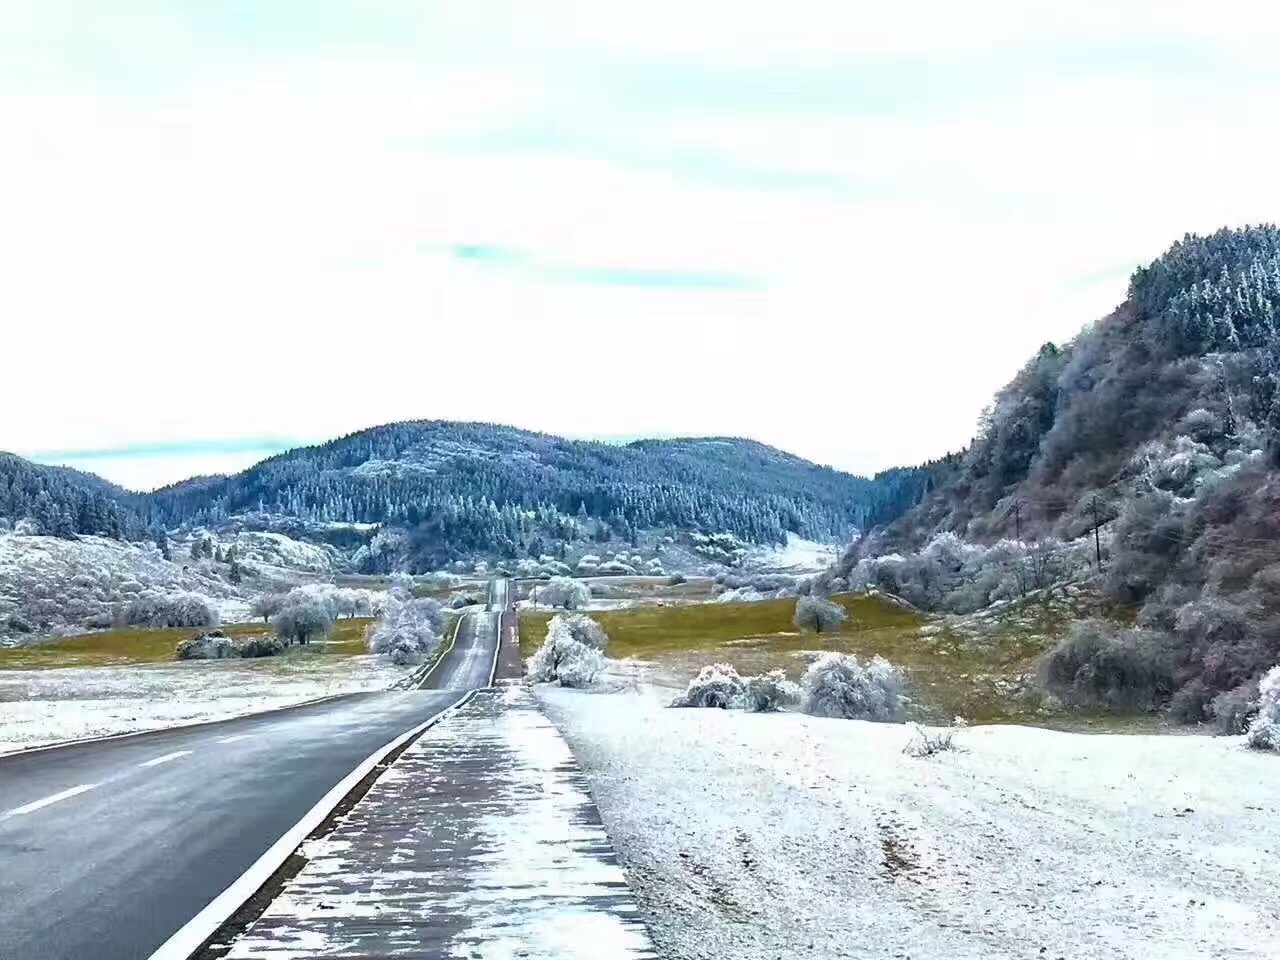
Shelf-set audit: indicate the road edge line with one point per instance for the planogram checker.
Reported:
(192, 935)
(59, 744)
(497, 647)
(457, 625)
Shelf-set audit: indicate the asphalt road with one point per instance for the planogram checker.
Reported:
(108, 848)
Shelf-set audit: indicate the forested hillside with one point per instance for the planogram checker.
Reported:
(459, 488)
(64, 502)
(1159, 426)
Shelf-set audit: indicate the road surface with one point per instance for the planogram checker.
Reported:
(108, 848)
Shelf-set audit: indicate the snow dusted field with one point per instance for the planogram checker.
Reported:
(765, 836)
(797, 556)
(47, 706)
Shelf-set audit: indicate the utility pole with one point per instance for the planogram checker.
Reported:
(1097, 542)
(1017, 518)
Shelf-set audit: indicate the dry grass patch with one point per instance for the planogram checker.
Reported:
(978, 669)
(132, 645)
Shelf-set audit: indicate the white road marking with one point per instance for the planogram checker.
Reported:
(238, 736)
(165, 759)
(38, 804)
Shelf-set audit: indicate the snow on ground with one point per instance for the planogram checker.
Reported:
(798, 556)
(764, 836)
(277, 550)
(480, 841)
(47, 706)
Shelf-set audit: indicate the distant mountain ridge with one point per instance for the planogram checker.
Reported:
(452, 489)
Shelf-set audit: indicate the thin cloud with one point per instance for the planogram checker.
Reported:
(147, 450)
(607, 276)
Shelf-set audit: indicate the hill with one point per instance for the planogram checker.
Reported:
(1158, 426)
(65, 502)
(438, 490)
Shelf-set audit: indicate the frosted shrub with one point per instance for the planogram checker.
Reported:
(564, 592)
(818, 614)
(1233, 710)
(716, 685)
(408, 631)
(460, 598)
(839, 685)
(1264, 731)
(769, 692)
(208, 646)
(565, 659)
(926, 744)
(1101, 664)
(256, 647)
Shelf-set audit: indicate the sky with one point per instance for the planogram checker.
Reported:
(836, 227)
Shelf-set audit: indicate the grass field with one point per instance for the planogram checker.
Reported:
(134, 645)
(977, 671)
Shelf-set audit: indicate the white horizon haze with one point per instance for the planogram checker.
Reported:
(833, 227)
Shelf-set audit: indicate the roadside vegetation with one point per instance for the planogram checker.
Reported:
(981, 667)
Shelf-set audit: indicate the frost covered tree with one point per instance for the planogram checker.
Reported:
(565, 659)
(267, 605)
(303, 618)
(839, 685)
(1264, 730)
(408, 631)
(585, 630)
(400, 585)
(717, 685)
(565, 593)
(818, 614)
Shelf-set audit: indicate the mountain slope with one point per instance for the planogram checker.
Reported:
(455, 489)
(1159, 425)
(65, 502)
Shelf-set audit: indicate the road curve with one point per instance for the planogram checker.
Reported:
(107, 848)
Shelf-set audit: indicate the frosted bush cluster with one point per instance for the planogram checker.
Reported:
(170, 610)
(208, 646)
(768, 692)
(960, 577)
(216, 645)
(840, 685)
(717, 685)
(409, 631)
(1264, 730)
(749, 588)
(572, 654)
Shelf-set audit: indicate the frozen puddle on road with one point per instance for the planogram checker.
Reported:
(481, 841)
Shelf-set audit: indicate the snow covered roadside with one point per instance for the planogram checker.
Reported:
(760, 836)
(39, 707)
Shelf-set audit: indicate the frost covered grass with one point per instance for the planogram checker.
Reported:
(139, 645)
(59, 703)
(756, 837)
(980, 666)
